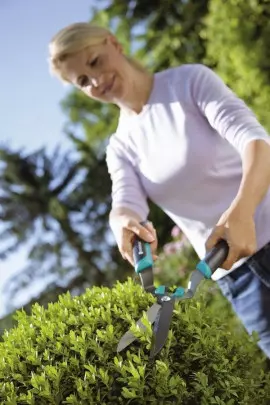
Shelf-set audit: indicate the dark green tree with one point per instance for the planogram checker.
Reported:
(166, 33)
(59, 206)
(237, 34)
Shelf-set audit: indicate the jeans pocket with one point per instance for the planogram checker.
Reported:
(240, 287)
(225, 285)
(260, 265)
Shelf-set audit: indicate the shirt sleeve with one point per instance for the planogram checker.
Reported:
(226, 113)
(127, 190)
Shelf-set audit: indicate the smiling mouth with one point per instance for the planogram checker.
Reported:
(109, 87)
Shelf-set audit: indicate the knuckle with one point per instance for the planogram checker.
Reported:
(129, 223)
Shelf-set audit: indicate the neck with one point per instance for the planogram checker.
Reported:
(138, 93)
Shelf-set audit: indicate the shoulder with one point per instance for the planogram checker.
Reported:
(185, 72)
(185, 80)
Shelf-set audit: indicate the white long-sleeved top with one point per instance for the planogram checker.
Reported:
(184, 152)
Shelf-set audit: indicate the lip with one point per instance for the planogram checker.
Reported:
(109, 87)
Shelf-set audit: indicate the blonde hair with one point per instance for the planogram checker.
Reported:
(74, 38)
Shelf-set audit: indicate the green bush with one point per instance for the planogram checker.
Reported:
(66, 354)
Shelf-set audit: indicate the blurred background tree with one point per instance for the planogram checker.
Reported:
(237, 34)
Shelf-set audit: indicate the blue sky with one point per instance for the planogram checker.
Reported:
(29, 97)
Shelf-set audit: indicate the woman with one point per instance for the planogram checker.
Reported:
(188, 143)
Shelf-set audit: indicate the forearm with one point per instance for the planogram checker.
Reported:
(256, 175)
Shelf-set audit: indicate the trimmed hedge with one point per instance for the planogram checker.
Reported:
(66, 354)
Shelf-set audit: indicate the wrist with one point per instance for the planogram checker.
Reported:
(121, 211)
(244, 205)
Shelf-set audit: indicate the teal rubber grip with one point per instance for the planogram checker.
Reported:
(142, 255)
(179, 292)
(203, 268)
(213, 259)
(160, 290)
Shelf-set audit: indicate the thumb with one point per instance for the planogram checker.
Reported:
(148, 235)
(141, 231)
(214, 238)
(149, 226)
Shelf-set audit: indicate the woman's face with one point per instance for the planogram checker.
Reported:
(99, 71)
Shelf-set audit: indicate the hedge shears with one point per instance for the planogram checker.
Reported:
(160, 313)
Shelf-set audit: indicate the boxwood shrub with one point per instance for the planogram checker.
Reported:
(66, 354)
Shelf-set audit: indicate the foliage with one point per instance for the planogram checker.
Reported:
(58, 205)
(67, 355)
(237, 34)
(176, 260)
(179, 22)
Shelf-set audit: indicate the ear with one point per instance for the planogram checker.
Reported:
(113, 41)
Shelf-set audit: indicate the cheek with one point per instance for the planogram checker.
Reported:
(115, 62)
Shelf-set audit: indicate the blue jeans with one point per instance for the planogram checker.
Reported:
(248, 290)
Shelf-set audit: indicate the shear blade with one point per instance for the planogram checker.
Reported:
(195, 279)
(128, 337)
(162, 327)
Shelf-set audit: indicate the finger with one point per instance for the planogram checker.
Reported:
(140, 230)
(127, 252)
(214, 238)
(154, 244)
(126, 245)
(149, 225)
(131, 260)
(232, 257)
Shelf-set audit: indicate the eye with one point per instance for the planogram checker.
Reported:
(94, 62)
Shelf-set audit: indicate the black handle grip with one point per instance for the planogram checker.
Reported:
(216, 256)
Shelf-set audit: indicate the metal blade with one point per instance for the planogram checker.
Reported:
(162, 326)
(195, 279)
(128, 337)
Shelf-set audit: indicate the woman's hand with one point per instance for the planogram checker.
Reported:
(125, 225)
(237, 227)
